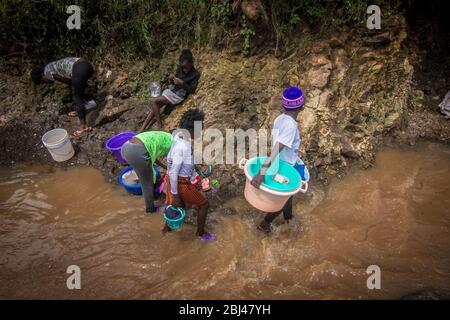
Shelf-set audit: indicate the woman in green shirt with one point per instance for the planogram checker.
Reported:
(141, 152)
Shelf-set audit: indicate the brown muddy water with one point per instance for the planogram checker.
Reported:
(395, 215)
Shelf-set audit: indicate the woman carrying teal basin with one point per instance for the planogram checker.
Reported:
(285, 146)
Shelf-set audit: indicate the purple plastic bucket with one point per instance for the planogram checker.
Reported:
(115, 143)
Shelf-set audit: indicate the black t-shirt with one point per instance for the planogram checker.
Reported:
(190, 80)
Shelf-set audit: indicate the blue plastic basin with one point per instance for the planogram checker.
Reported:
(133, 189)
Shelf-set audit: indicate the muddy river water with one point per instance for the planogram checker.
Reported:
(395, 215)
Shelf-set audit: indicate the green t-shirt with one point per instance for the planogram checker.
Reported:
(157, 143)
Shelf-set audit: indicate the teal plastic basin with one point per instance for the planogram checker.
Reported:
(279, 167)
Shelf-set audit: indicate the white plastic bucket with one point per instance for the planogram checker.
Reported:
(58, 144)
(265, 199)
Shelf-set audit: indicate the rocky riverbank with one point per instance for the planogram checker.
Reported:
(360, 89)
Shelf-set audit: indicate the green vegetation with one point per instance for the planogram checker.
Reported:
(246, 33)
(136, 29)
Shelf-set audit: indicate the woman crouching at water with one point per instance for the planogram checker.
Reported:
(141, 152)
(75, 72)
(180, 162)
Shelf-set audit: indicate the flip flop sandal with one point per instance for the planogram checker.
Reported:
(80, 133)
(208, 236)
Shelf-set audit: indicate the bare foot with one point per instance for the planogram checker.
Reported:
(165, 229)
(79, 133)
(264, 227)
(151, 210)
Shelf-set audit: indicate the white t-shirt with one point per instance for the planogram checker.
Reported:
(285, 131)
(180, 161)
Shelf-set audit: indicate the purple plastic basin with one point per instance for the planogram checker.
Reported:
(115, 143)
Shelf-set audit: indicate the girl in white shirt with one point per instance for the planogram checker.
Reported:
(286, 144)
(180, 164)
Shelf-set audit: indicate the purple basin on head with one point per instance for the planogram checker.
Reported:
(115, 143)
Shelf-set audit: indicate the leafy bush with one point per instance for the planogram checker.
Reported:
(147, 28)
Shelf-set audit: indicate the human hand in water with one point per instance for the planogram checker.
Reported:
(176, 202)
(258, 180)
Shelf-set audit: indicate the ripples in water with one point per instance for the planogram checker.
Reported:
(395, 215)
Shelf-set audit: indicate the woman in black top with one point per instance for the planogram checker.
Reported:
(182, 83)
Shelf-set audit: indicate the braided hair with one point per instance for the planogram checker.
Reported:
(36, 75)
(189, 117)
(186, 56)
